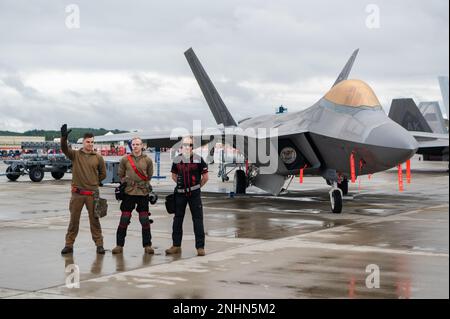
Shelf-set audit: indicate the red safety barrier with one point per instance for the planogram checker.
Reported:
(400, 178)
(301, 173)
(352, 168)
(408, 171)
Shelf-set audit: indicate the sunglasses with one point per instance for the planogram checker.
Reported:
(187, 145)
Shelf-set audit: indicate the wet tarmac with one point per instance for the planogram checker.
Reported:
(258, 246)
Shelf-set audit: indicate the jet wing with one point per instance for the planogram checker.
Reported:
(153, 139)
(426, 139)
(169, 138)
(159, 138)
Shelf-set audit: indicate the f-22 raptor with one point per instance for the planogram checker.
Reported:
(344, 134)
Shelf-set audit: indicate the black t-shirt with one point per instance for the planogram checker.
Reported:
(189, 172)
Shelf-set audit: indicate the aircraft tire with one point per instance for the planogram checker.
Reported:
(336, 204)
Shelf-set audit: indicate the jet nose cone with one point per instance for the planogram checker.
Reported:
(401, 144)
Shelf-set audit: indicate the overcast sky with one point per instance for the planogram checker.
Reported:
(124, 66)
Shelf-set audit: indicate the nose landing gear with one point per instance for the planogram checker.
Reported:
(339, 187)
(336, 195)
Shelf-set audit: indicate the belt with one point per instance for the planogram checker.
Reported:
(82, 191)
(193, 188)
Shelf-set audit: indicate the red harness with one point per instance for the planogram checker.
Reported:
(141, 176)
(82, 191)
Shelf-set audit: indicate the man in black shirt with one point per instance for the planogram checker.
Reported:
(190, 173)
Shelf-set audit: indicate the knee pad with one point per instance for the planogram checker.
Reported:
(125, 219)
(144, 217)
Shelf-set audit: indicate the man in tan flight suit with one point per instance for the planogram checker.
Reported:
(88, 170)
(136, 170)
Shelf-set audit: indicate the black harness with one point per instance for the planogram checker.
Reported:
(188, 179)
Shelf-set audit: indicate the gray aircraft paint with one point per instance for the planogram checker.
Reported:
(337, 131)
(431, 111)
(217, 106)
(347, 68)
(443, 83)
(407, 114)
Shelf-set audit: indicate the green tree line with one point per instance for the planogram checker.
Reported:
(73, 137)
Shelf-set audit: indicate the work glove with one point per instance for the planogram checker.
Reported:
(153, 198)
(64, 132)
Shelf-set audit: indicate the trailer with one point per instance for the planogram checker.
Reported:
(36, 159)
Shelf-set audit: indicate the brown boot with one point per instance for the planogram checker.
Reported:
(100, 250)
(117, 250)
(173, 250)
(149, 250)
(67, 250)
(200, 252)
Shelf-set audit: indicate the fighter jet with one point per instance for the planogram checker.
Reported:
(345, 134)
(426, 123)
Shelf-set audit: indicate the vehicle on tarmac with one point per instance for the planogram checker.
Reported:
(36, 159)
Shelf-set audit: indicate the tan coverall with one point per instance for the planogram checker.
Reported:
(88, 170)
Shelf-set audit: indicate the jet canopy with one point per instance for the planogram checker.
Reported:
(353, 93)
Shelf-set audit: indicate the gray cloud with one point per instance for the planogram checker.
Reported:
(15, 82)
(299, 46)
